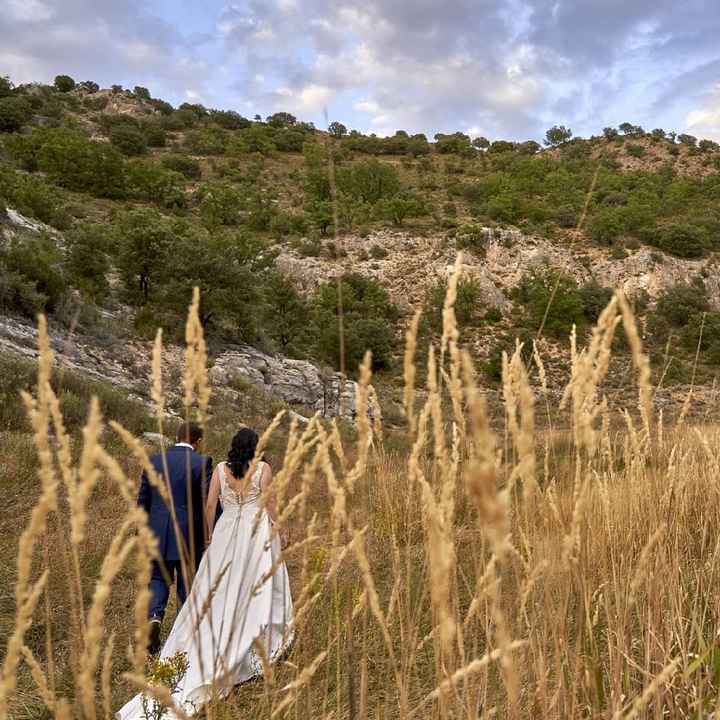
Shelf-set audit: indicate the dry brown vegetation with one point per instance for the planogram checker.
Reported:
(520, 573)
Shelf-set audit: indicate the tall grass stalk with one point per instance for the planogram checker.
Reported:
(494, 569)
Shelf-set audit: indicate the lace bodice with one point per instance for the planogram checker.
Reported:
(229, 498)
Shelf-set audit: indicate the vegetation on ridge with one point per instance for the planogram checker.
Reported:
(153, 200)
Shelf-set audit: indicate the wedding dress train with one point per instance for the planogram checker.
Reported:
(236, 599)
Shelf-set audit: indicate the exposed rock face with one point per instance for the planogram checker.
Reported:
(12, 223)
(414, 263)
(296, 382)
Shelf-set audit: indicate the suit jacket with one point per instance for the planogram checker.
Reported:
(188, 476)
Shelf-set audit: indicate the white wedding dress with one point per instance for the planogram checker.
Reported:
(233, 602)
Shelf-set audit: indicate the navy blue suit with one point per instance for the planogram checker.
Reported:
(188, 476)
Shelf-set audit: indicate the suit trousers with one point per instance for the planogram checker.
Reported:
(164, 572)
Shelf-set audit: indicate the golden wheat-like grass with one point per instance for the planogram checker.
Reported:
(551, 556)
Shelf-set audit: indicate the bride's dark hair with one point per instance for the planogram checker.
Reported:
(242, 451)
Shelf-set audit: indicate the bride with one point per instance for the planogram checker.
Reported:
(236, 599)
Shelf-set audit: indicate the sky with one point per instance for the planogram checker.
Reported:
(502, 69)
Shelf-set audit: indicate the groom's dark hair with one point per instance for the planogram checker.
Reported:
(189, 433)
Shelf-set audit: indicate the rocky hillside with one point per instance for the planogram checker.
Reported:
(116, 204)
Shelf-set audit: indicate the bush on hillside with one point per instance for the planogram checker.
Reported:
(606, 226)
(33, 197)
(14, 113)
(368, 315)
(682, 302)
(551, 295)
(206, 141)
(220, 204)
(286, 314)
(369, 180)
(64, 83)
(87, 260)
(35, 263)
(188, 166)
(148, 180)
(128, 140)
(594, 298)
(471, 236)
(468, 305)
(143, 239)
(155, 134)
(74, 162)
(683, 240)
(229, 119)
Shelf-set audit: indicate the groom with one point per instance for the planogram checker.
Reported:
(181, 539)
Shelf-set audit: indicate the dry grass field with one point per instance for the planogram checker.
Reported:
(512, 573)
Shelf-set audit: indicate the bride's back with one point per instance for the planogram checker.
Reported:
(233, 494)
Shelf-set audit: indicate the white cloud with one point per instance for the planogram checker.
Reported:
(367, 106)
(29, 10)
(704, 122)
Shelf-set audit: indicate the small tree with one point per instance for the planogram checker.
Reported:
(481, 143)
(128, 140)
(141, 93)
(281, 120)
(708, 146)
(627, 128)
(557, 135)
(14, 113)
(337, 129)
(551, 296)
(6, 87)
(64, 83)
(286, 313)
(144, 239)
(610, 133)
(689, 140)
(89, 87)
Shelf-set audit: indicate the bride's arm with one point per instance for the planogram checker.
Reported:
(212, 501)
(270, 501)
(265, 480)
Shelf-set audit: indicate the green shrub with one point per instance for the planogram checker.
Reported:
(20, 294)
(369, 180)
(155, 134)
(683, 240)
(148, 180)
(368, 315)
(220, 204)
(681, 303)
(37, 262)
(14, 113)
(377, 252)
(473, 237)
(566, 216)
(229, 119)
(635, 150)
(64, 83)
(34, 197)
(74, 162)
(144, 239)
(206, 141)
(468, 305)
(128, 140)
(87, 260)
(594, 298)
(550, 295)
(283, 224)
(188, 166)
(606, 226)
(286, 314)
